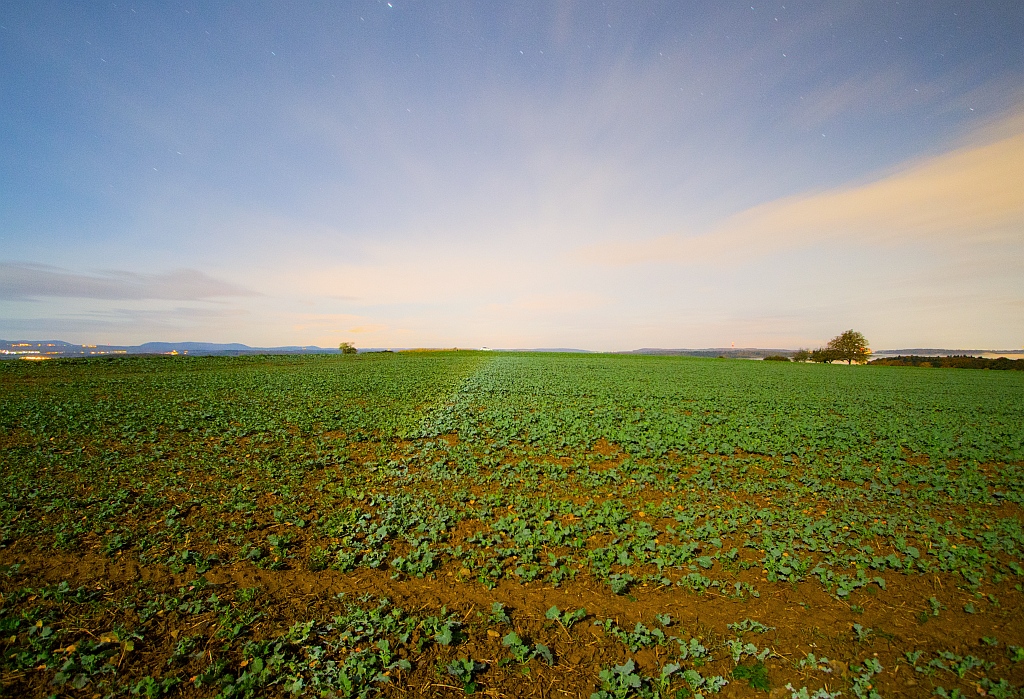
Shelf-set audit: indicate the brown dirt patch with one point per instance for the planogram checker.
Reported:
(805, 619)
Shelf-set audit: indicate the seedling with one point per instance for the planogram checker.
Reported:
(247, 594)
(498, 614)
(820, 693)
(811, 662)
(625, 680)
(742, 627)
(738, 649)
(1000, 689)
(639, 637)
(522, 652)
(863, 686)
(566, 618)
(756, 675)
(465, 671)
(862, 634)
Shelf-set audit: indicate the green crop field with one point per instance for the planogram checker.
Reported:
(510, 525)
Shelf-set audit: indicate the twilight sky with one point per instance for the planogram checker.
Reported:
(546, 174)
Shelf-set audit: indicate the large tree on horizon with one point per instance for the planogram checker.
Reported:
(851, 346)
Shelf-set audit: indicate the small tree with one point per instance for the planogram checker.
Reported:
(851, 346)
(801, 355)
(347, 348)
(823, 355)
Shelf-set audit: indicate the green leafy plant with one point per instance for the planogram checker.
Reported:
(522, 652)
(863, 685)
(465, 671)
(756, 675)
(804, 693)
(566, 618)
(499, 615)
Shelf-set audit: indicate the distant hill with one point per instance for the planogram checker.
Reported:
(16, 349)
(53, 349)
(761, 353)
(161, 347)
(932, 352)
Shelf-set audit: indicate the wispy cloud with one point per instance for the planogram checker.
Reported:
(123, 319)
(972, 194)
(885, 91)
(20, 282)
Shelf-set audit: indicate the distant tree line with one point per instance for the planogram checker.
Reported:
(960, 361)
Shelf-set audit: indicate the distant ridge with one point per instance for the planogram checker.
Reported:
(932, 352)
(161, 347)
(54, 349)
(761, 353)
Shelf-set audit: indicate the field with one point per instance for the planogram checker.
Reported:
(510, 525)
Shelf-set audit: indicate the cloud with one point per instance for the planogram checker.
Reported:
(20, 282)
(122, 319)
(880, 92)
(968, 195)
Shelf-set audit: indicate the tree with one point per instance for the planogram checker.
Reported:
(823, 355)
(851, 346)
(347, 348)
(801, 355)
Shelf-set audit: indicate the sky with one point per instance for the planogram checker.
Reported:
(605, 176)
